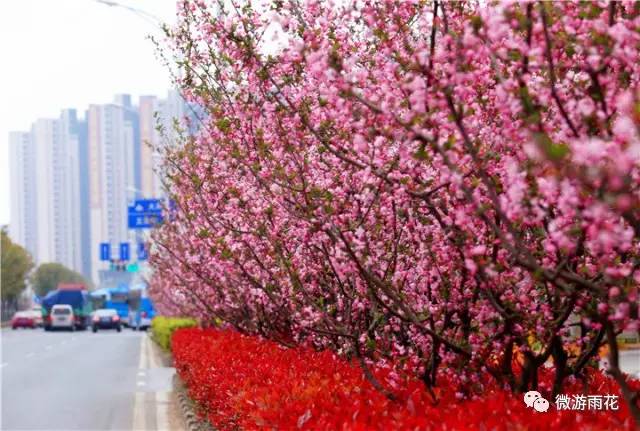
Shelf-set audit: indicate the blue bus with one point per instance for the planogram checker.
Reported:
(132, 304)
(141, 310)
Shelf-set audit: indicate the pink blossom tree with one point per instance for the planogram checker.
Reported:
(448, 186)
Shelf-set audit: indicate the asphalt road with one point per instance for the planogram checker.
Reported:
(82, 381)
(630, 362)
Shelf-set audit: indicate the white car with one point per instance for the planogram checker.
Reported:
(62, 317)
(37, 315)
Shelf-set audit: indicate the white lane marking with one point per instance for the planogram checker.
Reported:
(139, 422)
(49, 347)
(147, 353)
(4, 364)
(141, 383)
(162, 410)
(152, 353)
(30, 354)
(143, 355)
(141, 373)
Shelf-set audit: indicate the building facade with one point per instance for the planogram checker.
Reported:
(22, 166)
(114, 176)
(72, 179)
(45, 193)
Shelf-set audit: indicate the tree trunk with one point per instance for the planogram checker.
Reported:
(630, 397)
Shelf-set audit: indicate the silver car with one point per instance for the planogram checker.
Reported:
(62, 317)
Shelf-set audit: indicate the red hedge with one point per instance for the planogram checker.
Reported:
(249, 383)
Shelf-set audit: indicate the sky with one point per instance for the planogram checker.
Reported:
(57, 54)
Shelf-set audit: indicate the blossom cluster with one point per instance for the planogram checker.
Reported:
(445, 184)
(243, 382)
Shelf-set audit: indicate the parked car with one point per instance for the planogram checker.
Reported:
(23, 319)
(106, 318)
(62, 317)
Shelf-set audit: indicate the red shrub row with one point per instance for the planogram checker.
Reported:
(249, 383)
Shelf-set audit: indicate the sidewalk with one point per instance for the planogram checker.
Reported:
(155, 406)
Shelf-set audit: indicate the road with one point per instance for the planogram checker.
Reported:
(630, 362)
(83, 381)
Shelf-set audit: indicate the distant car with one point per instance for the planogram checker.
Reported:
(23, 319)
(106, 318)
(37, 316)
(62, 317)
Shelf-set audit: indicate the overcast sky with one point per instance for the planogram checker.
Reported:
(57, 54)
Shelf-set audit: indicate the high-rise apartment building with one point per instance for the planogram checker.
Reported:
(73, 179)
(46, 136)
(113, 134)
(149, 181)
(22, 166)
(168, 115)
(72, 167)
(85, 220)
(45, 194)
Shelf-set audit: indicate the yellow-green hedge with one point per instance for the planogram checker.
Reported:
(162, 328)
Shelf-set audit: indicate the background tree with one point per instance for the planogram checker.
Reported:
(16, 264)
(48, 275)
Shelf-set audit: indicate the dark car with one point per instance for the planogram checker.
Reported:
(106, 318)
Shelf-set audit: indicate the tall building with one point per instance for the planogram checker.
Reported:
(46, 135)
(22, 166)
(161, 122)
(175, 112)
(113, 137)
(149, 140)
(85, 220)
(74, 208)
(73, 179)
(45, 193)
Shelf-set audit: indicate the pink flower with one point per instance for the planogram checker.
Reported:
(360, 144)
(471, 266)
(478, 250)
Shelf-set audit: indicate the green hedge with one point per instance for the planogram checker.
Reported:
(162, 328)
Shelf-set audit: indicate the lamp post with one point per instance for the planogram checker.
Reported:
(147, 16)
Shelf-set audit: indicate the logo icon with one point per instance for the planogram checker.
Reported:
(534, 399)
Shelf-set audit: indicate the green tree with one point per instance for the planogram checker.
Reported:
(16, 263)
(48, 275)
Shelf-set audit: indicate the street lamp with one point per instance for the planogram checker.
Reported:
(149, 17)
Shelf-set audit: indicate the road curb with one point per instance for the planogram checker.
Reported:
(187, 408)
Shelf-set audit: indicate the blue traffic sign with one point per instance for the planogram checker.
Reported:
(144, 221)
(145, 213)
(105, 251)
(147, 205)
(142, 252)
(124, 251)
